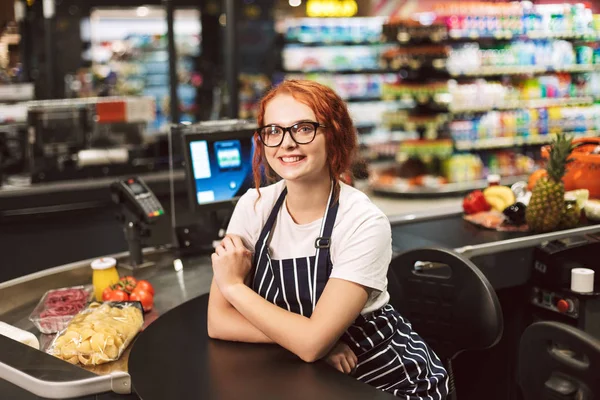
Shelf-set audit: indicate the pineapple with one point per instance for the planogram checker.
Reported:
(570, 214)
(547, 200)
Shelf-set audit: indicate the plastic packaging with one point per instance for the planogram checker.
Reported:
(19, 335)
(99, 334)
(58, 306)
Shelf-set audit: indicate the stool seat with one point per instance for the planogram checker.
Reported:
(558, 361)
(448, 301)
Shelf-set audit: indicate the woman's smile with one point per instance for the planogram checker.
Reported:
(292, 160)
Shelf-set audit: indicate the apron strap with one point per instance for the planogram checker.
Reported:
(266, 230)
(322, 244)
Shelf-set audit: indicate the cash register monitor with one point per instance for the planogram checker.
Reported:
(218, 159)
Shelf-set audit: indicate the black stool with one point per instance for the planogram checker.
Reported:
(448, 301)
(558, 361)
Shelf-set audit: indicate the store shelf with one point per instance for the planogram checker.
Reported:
(341, 71)
(523, 70)
(508, 35)
(332, 43)
(507, 142)
(17, 92)
(449, 189)
(521, 104)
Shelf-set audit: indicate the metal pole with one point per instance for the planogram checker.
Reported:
(49, 11)
(231, 59)
(173, 81)
(21, 18)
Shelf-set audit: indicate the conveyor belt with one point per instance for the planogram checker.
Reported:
(504, 257)
(450, 232)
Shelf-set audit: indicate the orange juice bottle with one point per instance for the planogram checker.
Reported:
(104, 274)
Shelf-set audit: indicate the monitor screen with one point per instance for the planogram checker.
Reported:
(219, 164)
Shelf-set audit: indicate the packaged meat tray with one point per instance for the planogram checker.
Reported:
(58, 306)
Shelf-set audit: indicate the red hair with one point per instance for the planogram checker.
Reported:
(329, 108)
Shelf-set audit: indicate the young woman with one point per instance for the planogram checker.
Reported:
(304, 263)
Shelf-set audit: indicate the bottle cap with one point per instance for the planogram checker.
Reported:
(104, 263)
(493, 178)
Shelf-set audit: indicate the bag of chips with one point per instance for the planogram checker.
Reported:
(99, 333)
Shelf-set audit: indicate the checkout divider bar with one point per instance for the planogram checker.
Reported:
(523, 242)
(118, 382)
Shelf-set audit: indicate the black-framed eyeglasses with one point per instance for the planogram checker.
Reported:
(301, 132)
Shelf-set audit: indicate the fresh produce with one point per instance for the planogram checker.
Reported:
(546, 205)
(144, 297)
(114, 295)
(475, 202)
(129, 288)
(499, 197)
(515, 213)
(570, 215)
(128, 283)
(533, 178)
(146, 286)
(580, 195)
(592, 210)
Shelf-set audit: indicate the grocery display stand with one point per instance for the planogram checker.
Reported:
(475, 104)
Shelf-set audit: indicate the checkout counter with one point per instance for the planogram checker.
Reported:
(173, 355)
(174, 358)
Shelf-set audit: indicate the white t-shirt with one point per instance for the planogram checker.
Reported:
(361, 241)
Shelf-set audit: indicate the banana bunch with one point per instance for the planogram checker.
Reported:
(499, 197)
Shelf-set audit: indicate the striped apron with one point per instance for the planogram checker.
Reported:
(390, 355)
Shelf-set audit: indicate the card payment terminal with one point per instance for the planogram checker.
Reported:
(139, 208)
(134, 194)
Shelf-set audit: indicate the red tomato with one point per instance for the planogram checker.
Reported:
(106, 292)
(117, 295)
(143, 297)
(145, 285)
(128, 283)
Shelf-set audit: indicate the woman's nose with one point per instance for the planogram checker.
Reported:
(288, 142)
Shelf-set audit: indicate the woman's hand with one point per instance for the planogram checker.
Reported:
(342, 358)
(231, 262)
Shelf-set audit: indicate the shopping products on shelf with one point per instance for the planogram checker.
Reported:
(352, 86)
(418, 91)
(332, 58)
(521, 56)
(524, 126)
(415, 57)
(333, 30)
(504, 20)
(533, 92)
(251, 90)
(405, 30)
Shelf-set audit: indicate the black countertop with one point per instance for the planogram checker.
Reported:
(175, 359)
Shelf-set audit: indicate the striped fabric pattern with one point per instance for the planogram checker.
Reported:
(391, 356)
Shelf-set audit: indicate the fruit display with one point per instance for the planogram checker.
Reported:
(475, 202)
(515, 213)
(549, 207)
(570, 214)
(584, 170)
(592, 210)
(499, 197)
(130, 289)
(547, 200)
